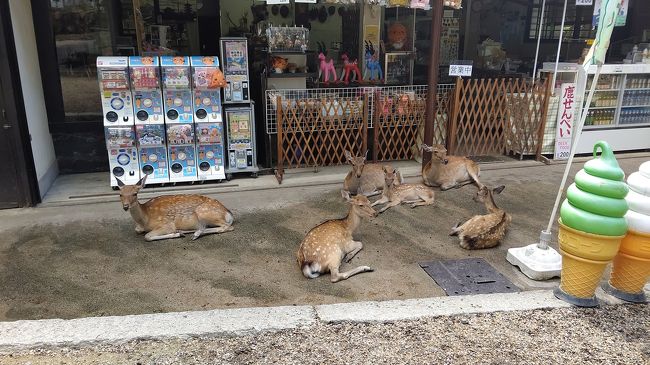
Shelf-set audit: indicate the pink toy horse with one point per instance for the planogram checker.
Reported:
(350, 68)
(326, 67)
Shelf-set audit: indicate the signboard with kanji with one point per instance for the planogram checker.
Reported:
(460, 70)
(584, 2)
(565, 118)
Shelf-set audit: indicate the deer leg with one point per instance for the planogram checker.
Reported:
(162, 233)
(139, 229)
(474, 173)
(427, 199)
(381, 200)
(353, 248)
(336, 276)
(205, 231)
(389, 205)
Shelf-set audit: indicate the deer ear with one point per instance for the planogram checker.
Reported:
(348, 155)
(120, 184)
(498, 189)
(140, 184)
(345, 194)
(365, 157)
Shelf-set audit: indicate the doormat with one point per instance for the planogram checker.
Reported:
(468, 276)
(488, 159)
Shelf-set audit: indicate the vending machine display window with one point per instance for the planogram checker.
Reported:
(241, 140)
(234, 53)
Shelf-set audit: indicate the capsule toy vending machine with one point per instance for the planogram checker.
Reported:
(208, 117)
(234, 54)
(179, 118)
(115, 91)
(240, 122)
(149, 118)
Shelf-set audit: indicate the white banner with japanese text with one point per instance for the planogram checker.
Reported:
(565, 117)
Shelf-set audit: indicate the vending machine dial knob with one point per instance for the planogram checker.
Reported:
(153, 157)
(182, 156)
(123, 159)
(172, 114)
(176, 168)
(178, 102)
(207, 101)
(147, 103)
(142, 115)
(209, 154)
(117, 103)
(201, 113)
(118, 172)
(147, 169)
(204, 166)
(112, 117)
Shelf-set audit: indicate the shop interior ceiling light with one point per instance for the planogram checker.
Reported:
(539, 261)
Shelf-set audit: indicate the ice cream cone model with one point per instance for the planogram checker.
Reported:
(631, 268)
(592, 225)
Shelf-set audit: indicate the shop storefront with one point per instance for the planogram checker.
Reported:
(382, 47)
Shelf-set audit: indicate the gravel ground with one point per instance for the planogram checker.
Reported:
(608, 335)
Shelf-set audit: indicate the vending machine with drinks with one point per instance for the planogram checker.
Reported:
(240, 124)
(117, 109)
(234, 54)
(179, 117)
(208, 120)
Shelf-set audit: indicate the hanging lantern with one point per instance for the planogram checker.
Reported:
(456, 4)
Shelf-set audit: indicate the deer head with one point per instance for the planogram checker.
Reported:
(438, 152)
(361, 203)
(485, 194)
(129, 193)
(357, 162)
(390, 175)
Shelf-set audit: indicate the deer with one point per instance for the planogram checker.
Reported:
(484, 231)
(327, 245)
(173, 216)
(414, 194)
(365, 179)
(448, 172)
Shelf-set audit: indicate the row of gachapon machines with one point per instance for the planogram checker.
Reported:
(152, 90)
(150, 130)
(167, 153)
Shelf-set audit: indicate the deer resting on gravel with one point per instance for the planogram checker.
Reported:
(449, 172)
(364, 179)
(327, 245)
(172, 216)
(415, 194)
(484, 231)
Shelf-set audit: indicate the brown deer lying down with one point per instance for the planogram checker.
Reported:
(172, 216)
(449, 172)
(415, 194)
(330, 243)
(364, 179)
(484, 231)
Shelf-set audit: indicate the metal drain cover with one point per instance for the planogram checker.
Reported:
(468, 276)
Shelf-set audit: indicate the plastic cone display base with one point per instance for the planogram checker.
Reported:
(580, 302)
(628, 297)
(580, 277)
(629, 273)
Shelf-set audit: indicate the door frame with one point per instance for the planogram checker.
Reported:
(15, 113)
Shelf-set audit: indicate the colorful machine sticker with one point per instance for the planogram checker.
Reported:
(153, 162)
(177, 95)
(206, 61)
(239, 128)
(236, 60)
(178, 106)
(182, 165)
(209, 133)
(123, 164)
(120, 137)
(180, 134)
(207, 106)
(115, 92)
(150, 135)
(175, 72)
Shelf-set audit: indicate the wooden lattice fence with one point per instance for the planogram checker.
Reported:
(494, 116)
(317, 132)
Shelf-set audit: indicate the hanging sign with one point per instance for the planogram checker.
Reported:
(460, 68)
(565, 118)
(276, 2)
(584, 2)
(306, 1)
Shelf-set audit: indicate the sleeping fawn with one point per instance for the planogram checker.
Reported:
(172, 216)
(327, 245)
(484, 231)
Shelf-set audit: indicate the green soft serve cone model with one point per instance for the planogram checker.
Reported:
(596, 201)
